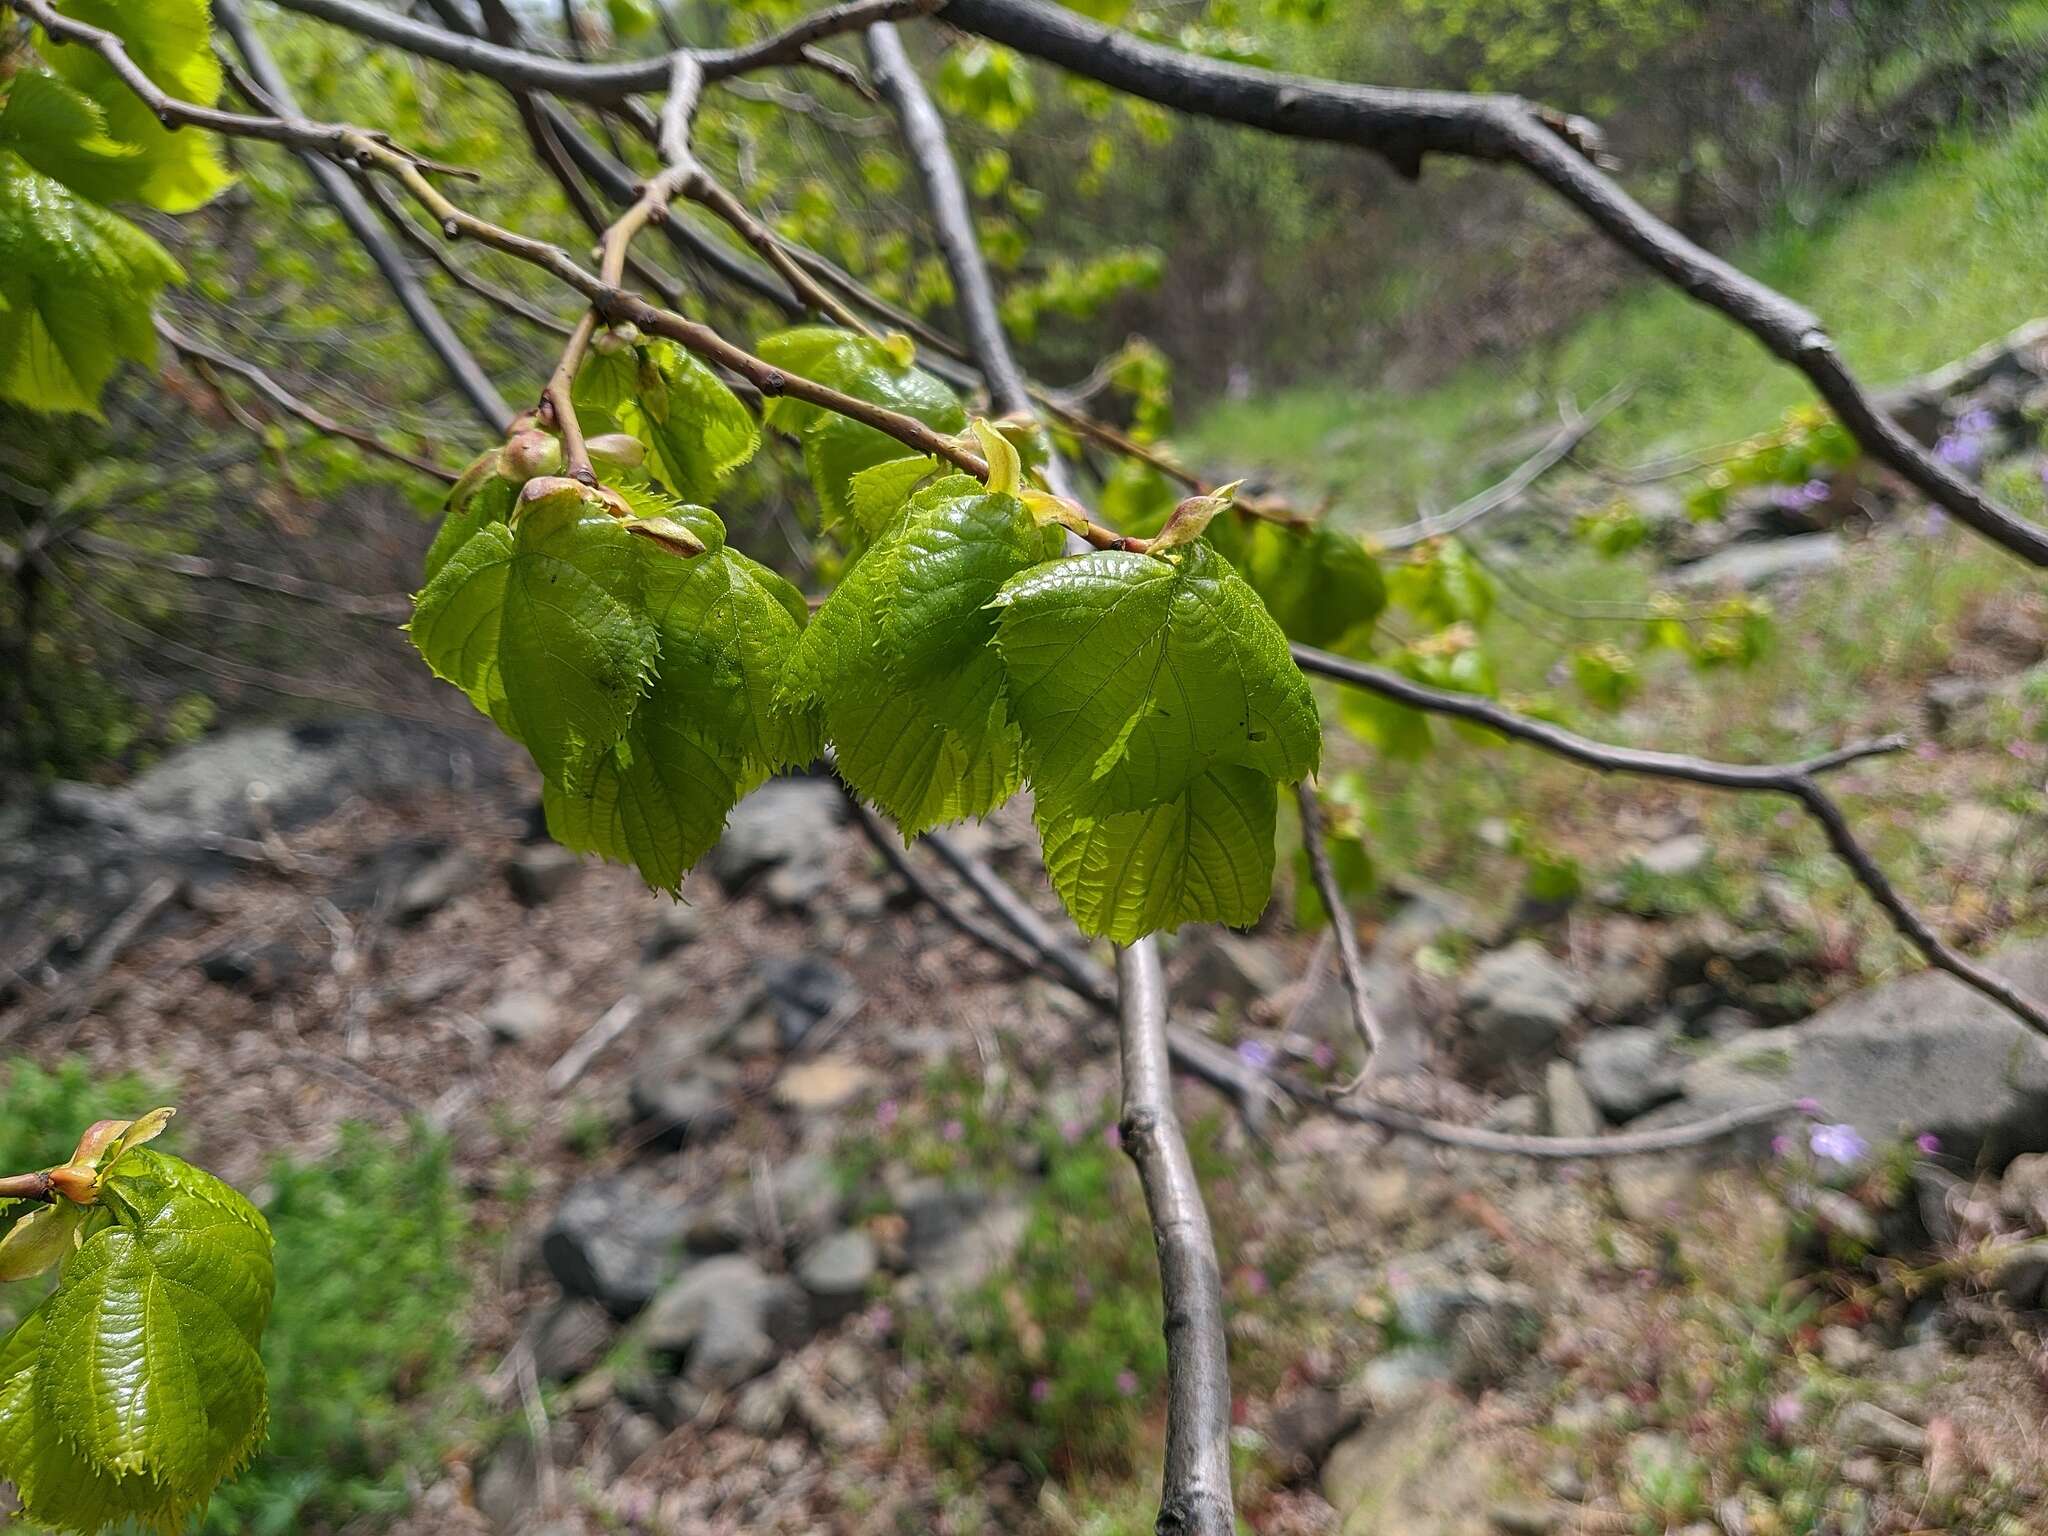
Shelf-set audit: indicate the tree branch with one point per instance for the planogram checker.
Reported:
(1404, 125)
(460, 364)
(602, 84)
(1195, 1497)
(286, 401)
(1799, 781)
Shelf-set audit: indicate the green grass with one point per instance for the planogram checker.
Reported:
(1940, 258)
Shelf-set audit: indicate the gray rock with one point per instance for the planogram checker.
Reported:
(1869, 1428)
(784, 822)
(836, 1272)
(1519, 1115)
(1516, 1003)
(677, 1111)
(794, 887)
(1404, 1376)
(521, 1014)
(1971, 712)
(260, 970)
(676, 925)
(807, 1195)
(2021, 1273)
(1487, 1327)
(1567, 1106)
(1760, 565)
(539, 874)
(974, 1252)
(2023, 1193)
(1922, 1053)
(614, 1241)
(764, 1404)
(1422, 1470)
(1305, 1424)
(1972, 833)
(1523, 1519)
(436, 884)
(801, 990)
(1677, 857)
(572, 1339)
(725, 1320)
(1218, 966)
(1629, 1071)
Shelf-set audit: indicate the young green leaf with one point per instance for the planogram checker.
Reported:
(711, 727)
(1131, 676)
(695, 429)
(172, 42)
(1320, 585)
(77, 285)
(836, 448)
(1205, 855)
(136, 1387)
(481, 497)
(539, 622)
(878, 492)
(898, 666)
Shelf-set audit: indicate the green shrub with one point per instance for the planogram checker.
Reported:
(364, 1340)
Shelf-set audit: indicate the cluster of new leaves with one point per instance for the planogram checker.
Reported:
(78, 281)
(613, 632)
(134, 1387)
(656, 675)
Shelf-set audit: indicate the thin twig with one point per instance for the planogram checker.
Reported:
(1555, 450)
(1351, 962)
(1799, 781)
(286, 401)
(461, 276)
(320, 148)
(1555, 1148)
(391, 609)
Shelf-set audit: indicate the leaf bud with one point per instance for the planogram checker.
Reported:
(528, 454)
(618, 448)
(613, 340)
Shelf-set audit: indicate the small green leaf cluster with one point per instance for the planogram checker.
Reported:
(656, 675)
(1809, 447)
(135, 1386)
(612, 631)
(78, 282)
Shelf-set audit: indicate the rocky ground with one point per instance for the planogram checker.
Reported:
(806, 1213)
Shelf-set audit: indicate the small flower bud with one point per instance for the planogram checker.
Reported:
(613, 340)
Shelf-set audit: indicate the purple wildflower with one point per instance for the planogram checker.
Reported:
(1072, 1131)
(1255, 1054)
(1783, 1414)
(1041, 1389)
(1838, 1144)
(1323, 1055)
(1781, 1146)
(1112, 1135)
(1127, 1383)
(885, 1113)
(952, 1130)
(1816, 489)
(1808, 1106)
(1928, 1142)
